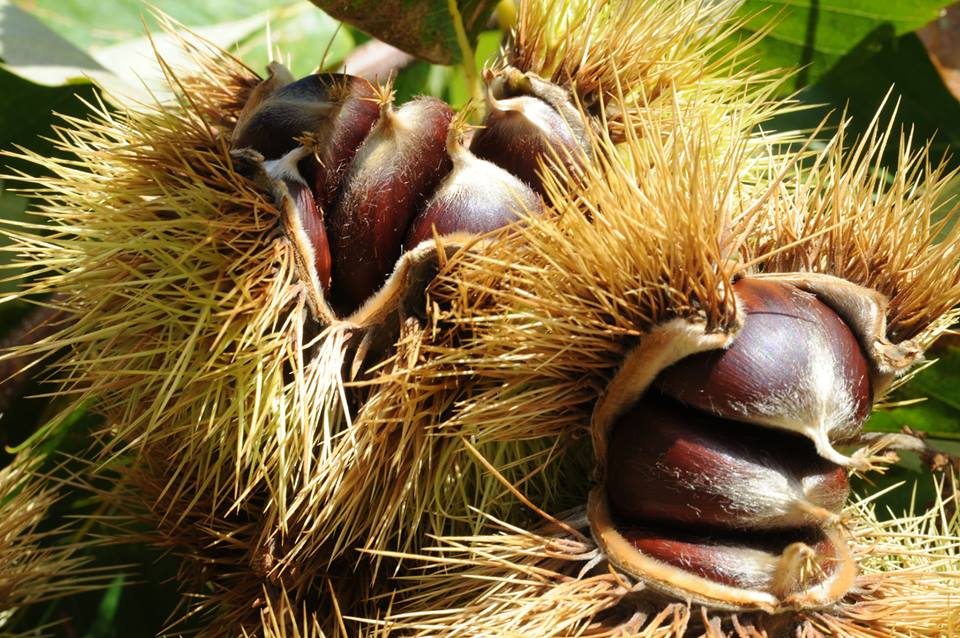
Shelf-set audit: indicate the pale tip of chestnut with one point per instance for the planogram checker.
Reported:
(859, 461)
(285, 168)
(821, 514)
(797, 568)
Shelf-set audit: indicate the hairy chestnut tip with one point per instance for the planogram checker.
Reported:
(794, 365)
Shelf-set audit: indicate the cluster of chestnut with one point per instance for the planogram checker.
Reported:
(372, 180)
(725, 468)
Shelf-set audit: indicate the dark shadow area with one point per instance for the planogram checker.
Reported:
(809, 44)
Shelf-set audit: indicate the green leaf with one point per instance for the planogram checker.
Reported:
(96, 25)
(931, 416)
(120, 58)
(424, 28)
(306, 38)
(488, 44)
(879, 66)
(107, 610)
(35, 52)
(12, 207)
(27, 111)
(415, 79)
(138, 78)
(813, 35)
(939, 414)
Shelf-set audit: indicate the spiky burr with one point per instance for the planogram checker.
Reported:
(436, 461)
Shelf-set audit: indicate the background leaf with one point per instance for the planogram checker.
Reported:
(939, 414)
(813, 35)
(105, 42)
(306, 39)
(421, 27)
(885, 66)
(96, 25)
(27, 112)
(850, 55)
(35, 52)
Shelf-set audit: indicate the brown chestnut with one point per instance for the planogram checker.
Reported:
(335, 146)
(311, 220)
(720, 483)
(396, 169)
(337, 109)
(794, 365)
(670, 463)
(476, 197)
(520, 133)
(782, 564)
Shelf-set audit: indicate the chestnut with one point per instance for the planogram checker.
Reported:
(311, 220)
(670, 463)
(476, 197)
(395, 170)
(781, 565)
(794, 365)
(336, 109)
(520, 133)
(720, 482)
(305, 224)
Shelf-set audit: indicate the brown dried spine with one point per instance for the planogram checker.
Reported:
(397, 167)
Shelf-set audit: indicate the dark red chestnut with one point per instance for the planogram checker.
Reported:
(795, 365)
(307, 228)
(337, 110)
(782, 565)
(476, 197)
(721, 484)
(396, 169)
(520, 133)
(670, 463)
(311, 220)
